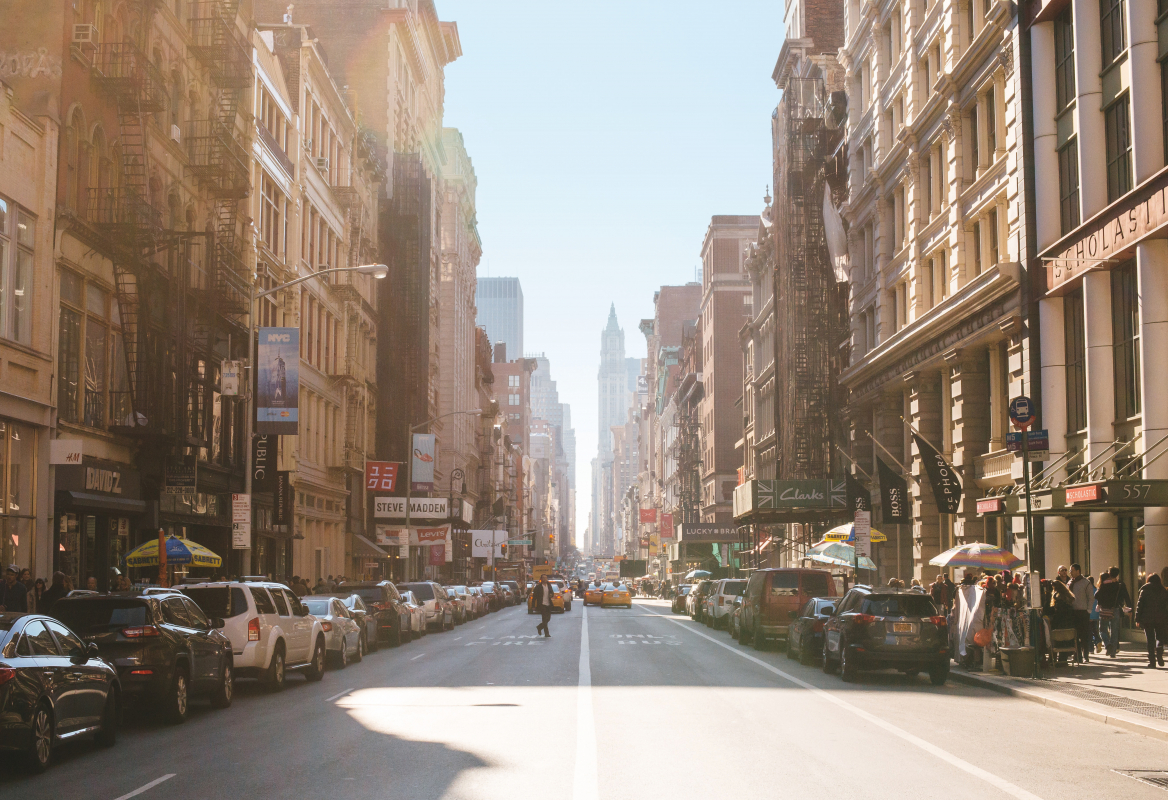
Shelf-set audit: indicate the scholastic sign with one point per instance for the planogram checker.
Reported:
(1084, 494)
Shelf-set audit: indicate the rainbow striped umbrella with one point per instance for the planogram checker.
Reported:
(978, 555)
(178, 551)
(838, 554)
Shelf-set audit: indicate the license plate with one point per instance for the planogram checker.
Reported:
(902, 627)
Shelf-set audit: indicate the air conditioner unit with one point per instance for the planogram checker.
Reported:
(176, 134)
(322, 164)
(85, 34)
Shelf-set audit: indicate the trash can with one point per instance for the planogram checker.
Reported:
(1018, 661)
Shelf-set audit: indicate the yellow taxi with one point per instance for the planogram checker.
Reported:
(593, 595)
(616, 595)
(557, 597)
(564, 590)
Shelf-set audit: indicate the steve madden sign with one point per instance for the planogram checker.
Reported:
(1112, 234)
(420, 508)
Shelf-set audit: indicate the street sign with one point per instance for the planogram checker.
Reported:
(241, 521)
(862, 525)
(1021, 412)
(1037, 443)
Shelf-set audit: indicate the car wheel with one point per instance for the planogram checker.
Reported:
(107, 734)
(805, 655)
(939, 674)
(343, 656)
(828, 664)
(847, 665)
(758, 640)
(276, 673)
(790, 647)
(315, 669)
(398, 638)
(371, 645)
(360, 649)
(177, 704)
(40, 746)
(226, 690)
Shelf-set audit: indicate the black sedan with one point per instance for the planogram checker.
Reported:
(53, 688)
(805, 633)
(165, 648)
(678, 604)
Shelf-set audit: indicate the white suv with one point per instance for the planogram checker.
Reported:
(271, 631)
(720, 603)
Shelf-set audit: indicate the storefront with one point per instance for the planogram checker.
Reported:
(97, 509)
(203, 518)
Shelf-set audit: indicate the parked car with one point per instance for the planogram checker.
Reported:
(678, 604)
(53, 686)
(695, 602)
(384, 602)
(772, 594)
(875, 628)
(718, 602)
(366, 620)
(271, 631)
(805, 633)
(439, 610)
(478, 602)
(417, 611)
(493, 594)
(460, 601)
(343, 639)
(516, 592)
(734, 619)
(165, 648)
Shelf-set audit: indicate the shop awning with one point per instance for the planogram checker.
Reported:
(1079, 498)
(367, 549)
(87, 501)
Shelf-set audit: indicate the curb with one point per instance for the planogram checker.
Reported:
(1126, 721)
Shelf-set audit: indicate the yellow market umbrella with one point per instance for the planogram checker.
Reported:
(178, 551)
(843, 533)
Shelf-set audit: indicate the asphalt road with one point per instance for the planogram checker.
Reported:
(658, 706)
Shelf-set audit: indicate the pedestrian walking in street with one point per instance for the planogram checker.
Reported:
(543, 604)
(1096, 637)
(1152, 615)
(1113, 598)
(1062, 610)
(941, 593)
(1063, 576)
(15, 595)
(35, 595)
(54, 593)
(1084, 594)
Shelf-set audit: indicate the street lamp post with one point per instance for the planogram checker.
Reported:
(378, 271)
(410, 471)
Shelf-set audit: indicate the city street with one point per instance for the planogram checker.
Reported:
(661, 707)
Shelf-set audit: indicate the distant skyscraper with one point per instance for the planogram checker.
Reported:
(500, 311)
(614, 382)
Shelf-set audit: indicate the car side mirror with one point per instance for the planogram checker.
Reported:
(92, 650)
(793, 614)
(302, 611)
(828, 611)
(217, 623)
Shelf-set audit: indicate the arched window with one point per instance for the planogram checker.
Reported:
(176, 95)
(74, 133)
(98, 160)
(174, 211)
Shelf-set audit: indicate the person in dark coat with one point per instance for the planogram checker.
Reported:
(14, 596)
(53, 594)
(543, 604)
(1152, 614)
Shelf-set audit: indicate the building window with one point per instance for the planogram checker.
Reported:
(1075, 342)
(977, 248)
(1068, 167)
(17, 243)
(975, 150)
(991, 123)
(1064, 59)
(272, 207)
(513, 399)
(994, 255)
(1111, 30)
(93, 388)
(1117, 119)
(1125, 331)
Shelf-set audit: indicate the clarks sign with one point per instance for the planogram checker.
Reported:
(1111, 235)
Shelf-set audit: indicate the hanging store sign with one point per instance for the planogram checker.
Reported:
(229, 381)
(97, 476)
(264, 450)
(480, 543)
(381, 476)
(424, 536)
(420, 508)
(666, 525)
(277, 407)
(65, 451)
(422, 475)
(703, 532)
(648, 515)
(989, 505)
(1085, 494)
(761, 496)
(283, 501)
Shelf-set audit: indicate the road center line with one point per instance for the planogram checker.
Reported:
(419, 655)
(338, 694)
(585, 785)
(1000, 783)
(147, 787)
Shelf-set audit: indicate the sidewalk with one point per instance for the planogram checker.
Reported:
(1119, 691)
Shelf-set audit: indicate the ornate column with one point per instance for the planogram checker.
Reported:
(925, 412)
(1057, 537)
(969, 383)
(1147, 119)
(1100, 405)
(1152, 264)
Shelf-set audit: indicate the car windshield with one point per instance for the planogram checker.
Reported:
(370, 594)
(733, 587)
(408, 598)
(685, 588)
(100, 614)
(423, 591)
(317, 606)
(218, 601)
(903, 605)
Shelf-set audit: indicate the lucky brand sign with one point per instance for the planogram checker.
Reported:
(277, 406)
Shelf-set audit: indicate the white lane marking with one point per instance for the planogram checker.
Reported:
(338, 694)
(147, 787)
(456, 638)
(928, 747)
(586, 784)
(419, 655)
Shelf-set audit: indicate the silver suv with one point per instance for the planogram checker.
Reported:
(439, 609)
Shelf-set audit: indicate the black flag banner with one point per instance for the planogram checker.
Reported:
(946, 484)
(894, 502)
(859, 498)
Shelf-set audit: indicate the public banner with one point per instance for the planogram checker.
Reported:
(859, 498)
(381, 476)
(422, 479)
(648, 515)
(437, 555)
(480, 543)
(264, 455)
(424, 536)
(666, 526)
(946, 485)
(278, 360)
(894, 504)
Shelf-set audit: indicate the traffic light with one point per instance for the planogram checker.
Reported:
(503, 548)
(551, 538)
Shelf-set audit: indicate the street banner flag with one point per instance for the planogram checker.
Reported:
(648, 515)
(894, 503)
(278, 358)
(422, 479)
(946, 485)
(859, 498)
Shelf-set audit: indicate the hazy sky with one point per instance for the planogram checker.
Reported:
(604, 135)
